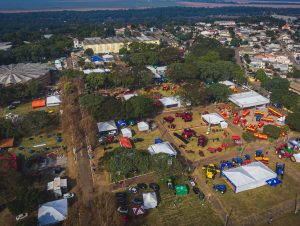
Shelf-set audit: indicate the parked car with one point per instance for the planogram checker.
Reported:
(136, 140)
(133, 190)
(168, 119)
(10, 107)
(122, 209)
(196, 190)
(137, 201)
(21, 216)
(69, 195)
(154, 186)
(142, 186)
(220, 188)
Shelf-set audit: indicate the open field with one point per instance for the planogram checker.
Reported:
(26, 108)
(186, 210)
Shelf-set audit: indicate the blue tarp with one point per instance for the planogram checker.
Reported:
(53, 212)
(96, 58)
(121, 123)
(274, 181)
(157, 140)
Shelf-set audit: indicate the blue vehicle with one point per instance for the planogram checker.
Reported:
(259, 153)
(237, 161)
(280, 169)
(220, 188)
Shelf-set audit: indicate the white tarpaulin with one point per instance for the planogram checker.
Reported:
(126, 132)
(150, 200)
(164, 147)
(143, 126)
(53, 101)
(53, 212)
(106, 126)
(297, 157)
(249, 176)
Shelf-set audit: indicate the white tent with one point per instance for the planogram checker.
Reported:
(213, 118)
(164, 147)
(128, 96)
(169, 102)
(53, 101)
(297, 157)
(107, 126)
(143, 126)
(249, 176)
(126, 132)
(150, 200)
(53, 212)
(248, 99)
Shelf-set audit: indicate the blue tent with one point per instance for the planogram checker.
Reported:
(157, 140)
(96, 58)
(273, 182)
(121, 123)
(53, 212)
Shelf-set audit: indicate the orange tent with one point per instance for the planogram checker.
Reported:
(7, 143)
(38, 103)
(125, 142)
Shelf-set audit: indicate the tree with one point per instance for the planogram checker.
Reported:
(272, 131)
(169, 55)
(295, 73)
(293, 121)
(261, 75)
(142, 107)
(89, 52)
(248, 137)
(218, 92)
(276, 83)
(181, 71)
(247, 58)
(127, 32)
(235, 42)
(193, 93)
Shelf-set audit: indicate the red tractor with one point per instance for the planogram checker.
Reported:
(168, 119)
(202, 141)
(188, 133)
(186, 116)
(283, 151)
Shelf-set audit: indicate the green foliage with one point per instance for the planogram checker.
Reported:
(293, 121)
(248, 137)
(218, 92)
(287, 98)
(295, 73)
(69, 73)
(193, 93)
(272, 131)
(276, 84)
(235, 42)
(203, 45)
(89, 52)
(181, 71)
(6, 128)
(261, 75)
(26, 201)
(108, 108)
(127, 163)
(169, 55)
(20, 92)
(69, 87)
(247, 58)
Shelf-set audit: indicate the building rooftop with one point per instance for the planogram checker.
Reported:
(248, 99)
(98, 40)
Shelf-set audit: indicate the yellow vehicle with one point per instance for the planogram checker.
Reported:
(51, 111)
(210, 171)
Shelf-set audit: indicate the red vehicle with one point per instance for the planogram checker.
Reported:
(188, 133)
(202, 141)
(186, 116)
(168, 119)
(261, 124)
(236, 120)
(246, 112)
(171, 126)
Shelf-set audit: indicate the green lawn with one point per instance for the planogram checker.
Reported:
(186, 210)
(42, 138)
(255, 200)
(26, 107)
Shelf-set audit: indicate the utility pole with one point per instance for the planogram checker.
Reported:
(296, 204)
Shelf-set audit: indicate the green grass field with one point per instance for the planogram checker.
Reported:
(186, 210)
(26, 108)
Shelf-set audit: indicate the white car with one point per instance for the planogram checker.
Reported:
(21, 216)
(69, 195)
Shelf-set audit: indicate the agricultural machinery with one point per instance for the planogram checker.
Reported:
(284, 151)
(188, 133)
(210, 171)
(220, 188)
(168, 119)
(186, 116)
(202, 141)
(280, 167)
(259, 156)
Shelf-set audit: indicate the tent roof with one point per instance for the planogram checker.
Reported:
(143, 126)
(164, 147)
(248, 99)
(53, 100)
(7, 143)
(53, 212)
(255, 171)
(213, 118)
(169, 101)
(38, 103)
(297, 157)
(138, 210)
(106, 126)
(150, 200)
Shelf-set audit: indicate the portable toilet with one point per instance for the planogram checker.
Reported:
(181, 190)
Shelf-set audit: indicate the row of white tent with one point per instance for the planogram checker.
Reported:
(110, 126)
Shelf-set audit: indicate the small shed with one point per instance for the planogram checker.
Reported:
(143, 126)
(126, 132)
(150, 200)
(181, 189)
(108, 126)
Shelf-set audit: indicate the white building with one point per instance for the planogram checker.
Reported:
(58, 186)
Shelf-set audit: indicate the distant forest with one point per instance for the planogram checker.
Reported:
(10, 23)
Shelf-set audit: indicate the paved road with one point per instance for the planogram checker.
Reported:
(289, 55)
